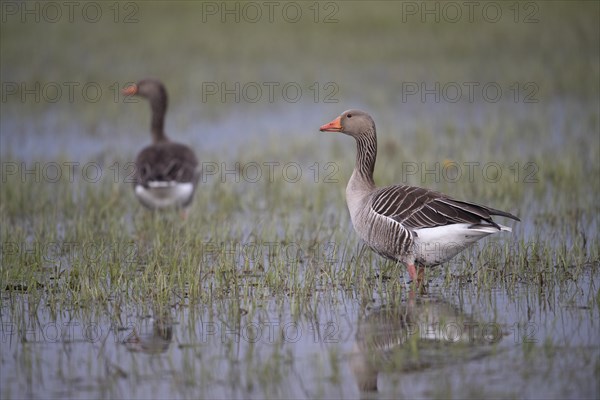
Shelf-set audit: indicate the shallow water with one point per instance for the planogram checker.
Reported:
(453, 344)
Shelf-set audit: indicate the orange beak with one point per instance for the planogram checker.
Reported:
(130, 90)
(333, 126)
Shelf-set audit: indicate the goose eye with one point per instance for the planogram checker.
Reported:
(349, 115)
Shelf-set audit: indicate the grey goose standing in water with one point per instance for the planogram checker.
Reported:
(415, 226)
(166, 172)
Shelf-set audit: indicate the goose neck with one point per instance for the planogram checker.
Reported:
(159, 107)
(366, 155)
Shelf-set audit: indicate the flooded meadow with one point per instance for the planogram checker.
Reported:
(265, 290)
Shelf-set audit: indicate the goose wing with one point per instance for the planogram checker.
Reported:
(166, 162)
(416, 208)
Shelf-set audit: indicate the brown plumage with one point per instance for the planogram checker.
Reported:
(166, 172)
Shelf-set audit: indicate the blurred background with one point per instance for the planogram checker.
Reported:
(233, 71)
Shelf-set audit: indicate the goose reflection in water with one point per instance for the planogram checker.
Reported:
(423, 333)
(152, 340)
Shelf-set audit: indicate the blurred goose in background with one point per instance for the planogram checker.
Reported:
(166, 172)
(411, 225)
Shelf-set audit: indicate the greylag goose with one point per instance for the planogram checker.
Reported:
(407, 224)
(166, 172)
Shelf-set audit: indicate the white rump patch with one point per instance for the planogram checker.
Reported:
(161, 194)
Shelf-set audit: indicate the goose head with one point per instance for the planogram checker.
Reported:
(354, 123)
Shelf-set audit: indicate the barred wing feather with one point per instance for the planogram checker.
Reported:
(416, 208)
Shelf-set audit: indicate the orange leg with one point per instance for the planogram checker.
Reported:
(417, 278)
(412, 272)
(183, 213)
